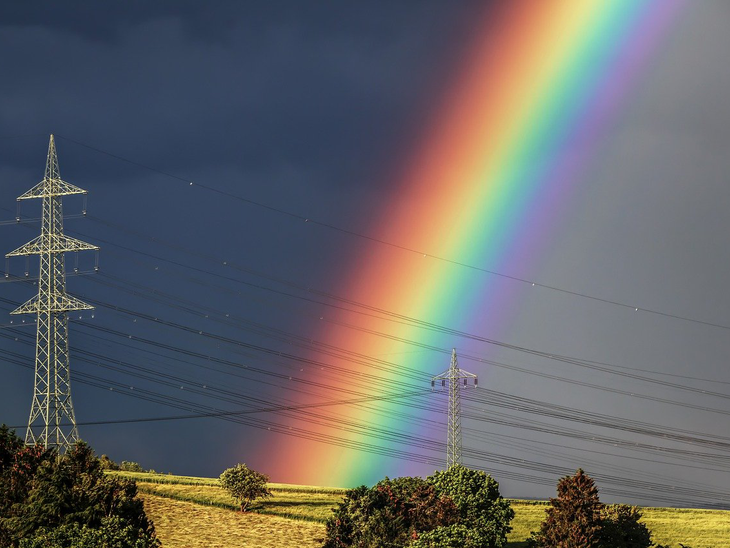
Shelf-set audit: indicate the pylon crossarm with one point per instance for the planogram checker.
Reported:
(59, 243)
(48, 188)
(460, 374)
(60, 303)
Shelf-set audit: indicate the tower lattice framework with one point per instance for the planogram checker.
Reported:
(52, 422)
(456, 379)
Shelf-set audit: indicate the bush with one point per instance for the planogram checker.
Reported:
(66, 501)
(457, 508)
(577, 519)
(620, 527)
(244, 484)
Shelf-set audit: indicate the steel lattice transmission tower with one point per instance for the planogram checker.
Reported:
(52, 422)
(457, 379)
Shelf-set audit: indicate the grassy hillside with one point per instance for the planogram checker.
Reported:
(181, 506)
(298, 502)
(181, 524)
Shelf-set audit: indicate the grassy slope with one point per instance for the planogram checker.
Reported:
(182, 524)
(310, 507)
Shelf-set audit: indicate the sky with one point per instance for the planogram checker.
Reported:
(209, 136)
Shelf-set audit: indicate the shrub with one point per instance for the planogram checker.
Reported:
(620, 527)
(481, 507)
(244, 484)
(47, 500)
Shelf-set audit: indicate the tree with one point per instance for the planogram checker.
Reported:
(127, 466)
(456, 508)
(578, 519)
(66, 501)
(244, 484)
(574, 518)
(388, 515)
(481, 507)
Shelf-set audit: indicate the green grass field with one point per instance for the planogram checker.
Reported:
(304, 509)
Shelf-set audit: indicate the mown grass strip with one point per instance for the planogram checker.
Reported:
(170, 479)
(163, 478)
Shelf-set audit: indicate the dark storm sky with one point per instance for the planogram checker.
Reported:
(308, 107)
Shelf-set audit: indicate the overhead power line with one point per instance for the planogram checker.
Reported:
(402, 247)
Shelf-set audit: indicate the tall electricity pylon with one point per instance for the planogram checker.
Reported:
(455, 377)
(52, 422)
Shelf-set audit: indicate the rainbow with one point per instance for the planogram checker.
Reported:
(538, 92)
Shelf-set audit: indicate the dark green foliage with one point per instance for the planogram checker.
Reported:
(388, 515)
(456, 508)
(620, 528)
(244, 484)
(113, 532)
(574, 518)
(341, 526)
(450, 536)
(481, 508)
(66, 502)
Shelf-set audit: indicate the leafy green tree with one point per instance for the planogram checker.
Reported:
(574, 518)
(456, 508)
(481, 507)
(244, 484)
(66, 501)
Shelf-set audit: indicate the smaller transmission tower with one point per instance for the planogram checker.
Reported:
(455, 377)
(52, 422)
